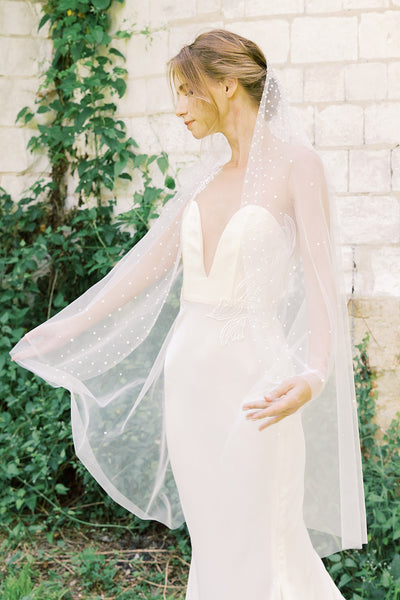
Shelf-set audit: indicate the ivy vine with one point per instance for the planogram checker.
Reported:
(81, 134)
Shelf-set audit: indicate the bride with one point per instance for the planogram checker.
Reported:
(210, 371)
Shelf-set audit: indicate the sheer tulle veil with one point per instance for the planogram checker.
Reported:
(108, 347)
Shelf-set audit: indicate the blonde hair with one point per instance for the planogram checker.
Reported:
(219, 54)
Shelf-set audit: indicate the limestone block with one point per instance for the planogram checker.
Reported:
(20, 57)
(358, 4)
(323, 6)
(365, 81)
(15, 93)
(159, 97)
(181, 35)
(169, 131)
(271, 7)
(359, 216)
(380, 316)
(336, 168)
(135, 99)
(362, 274)
(369, 171)
(272, 36)
(385, 262)
(321, 39)
(208, 6)
(19, 18)
(233, 9)
(324, 83)
(388, 388)
(17, 184)
(379, 35)
(339, 125)
(394, 80)
(164, 11)
(396, 169)
(16, 158)
(346, 266)
(144, 58)
(305, 116)
(382, 123)
(292, 82)
(140, 129)
(125, 15)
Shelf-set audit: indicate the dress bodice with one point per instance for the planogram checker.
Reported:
(252, 246)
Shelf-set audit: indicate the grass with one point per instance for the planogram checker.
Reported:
(75, 564)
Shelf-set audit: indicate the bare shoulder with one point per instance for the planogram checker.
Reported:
(306, 166)
(304, 158)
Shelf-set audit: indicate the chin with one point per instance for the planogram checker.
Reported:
(201, 133)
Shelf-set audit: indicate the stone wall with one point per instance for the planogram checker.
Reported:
(340, 63)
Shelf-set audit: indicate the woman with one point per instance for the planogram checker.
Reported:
(225, 398)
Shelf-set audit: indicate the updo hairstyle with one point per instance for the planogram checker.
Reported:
(220, 54)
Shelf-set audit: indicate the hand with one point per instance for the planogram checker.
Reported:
(281, 402)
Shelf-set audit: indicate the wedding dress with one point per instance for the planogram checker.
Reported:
(241, 489)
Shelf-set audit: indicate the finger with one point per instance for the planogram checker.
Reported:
(279, 391)
(271, 422)
(270, 411)
(256, 404)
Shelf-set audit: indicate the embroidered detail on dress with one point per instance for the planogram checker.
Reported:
(234, 312)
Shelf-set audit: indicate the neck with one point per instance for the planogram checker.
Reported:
(238, 126)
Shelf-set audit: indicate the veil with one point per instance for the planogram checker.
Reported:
(108, 346)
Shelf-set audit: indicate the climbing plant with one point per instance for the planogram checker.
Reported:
(76, 108)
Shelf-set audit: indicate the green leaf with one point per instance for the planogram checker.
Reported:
(43, 109)
(83, 116)
(101, 4)
(28, 117)
(162, 162)
(61, 489)
(21, 113)
(119, 166)
(395, 566)
(345, 578)
(169, 183)
(116, 52)
(120, 86)
(44, 20)
(349, 562)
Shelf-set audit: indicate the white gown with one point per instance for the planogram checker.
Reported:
(241, 489)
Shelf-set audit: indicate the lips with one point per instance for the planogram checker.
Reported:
(188, 123)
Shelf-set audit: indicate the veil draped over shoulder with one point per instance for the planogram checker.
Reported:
(108, 346)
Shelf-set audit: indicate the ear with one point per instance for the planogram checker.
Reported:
(229, 86)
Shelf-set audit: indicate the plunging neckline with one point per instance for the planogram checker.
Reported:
(224, 232)
(219, 243)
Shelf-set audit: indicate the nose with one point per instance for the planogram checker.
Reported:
(181, 106)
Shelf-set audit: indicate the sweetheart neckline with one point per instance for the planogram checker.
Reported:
(224, 230)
